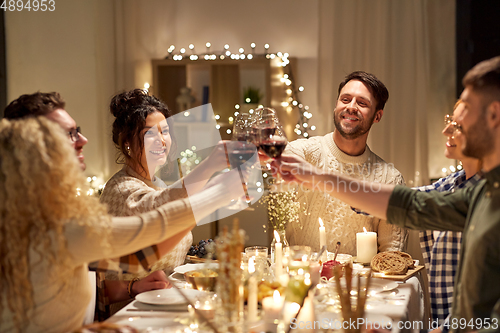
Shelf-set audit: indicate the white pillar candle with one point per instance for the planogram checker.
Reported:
(272, 306)
(366, 246)
(322, 239)
(322, 234)
(278, 253)
(252, 292)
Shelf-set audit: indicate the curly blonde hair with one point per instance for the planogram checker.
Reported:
(39, 178)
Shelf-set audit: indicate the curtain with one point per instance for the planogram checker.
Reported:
(410, 46)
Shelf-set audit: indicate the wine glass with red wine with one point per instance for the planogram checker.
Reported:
(271, 137)
(240, 153)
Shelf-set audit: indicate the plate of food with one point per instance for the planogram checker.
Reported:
(192, 267)
(168, 296)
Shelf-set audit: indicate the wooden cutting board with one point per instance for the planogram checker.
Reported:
(402, 278)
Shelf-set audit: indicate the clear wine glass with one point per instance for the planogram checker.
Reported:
(241, 153)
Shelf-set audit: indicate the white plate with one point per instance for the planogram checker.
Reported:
(376, 285)
(379, 285)
(167, 296)
(191, 267)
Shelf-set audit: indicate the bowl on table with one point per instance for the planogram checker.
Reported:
(342, 260)
(202, 279)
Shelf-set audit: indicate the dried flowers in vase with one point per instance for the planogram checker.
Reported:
(282, 208)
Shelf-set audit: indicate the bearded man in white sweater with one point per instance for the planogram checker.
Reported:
(360, 104)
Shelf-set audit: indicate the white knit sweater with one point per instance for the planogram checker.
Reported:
(341, 222)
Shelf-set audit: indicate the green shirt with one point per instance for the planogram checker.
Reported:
(476, 212)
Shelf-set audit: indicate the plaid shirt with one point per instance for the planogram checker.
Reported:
(441, 254)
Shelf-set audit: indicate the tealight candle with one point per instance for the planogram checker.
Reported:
(366, 246)
(252, 292)
(278, 253)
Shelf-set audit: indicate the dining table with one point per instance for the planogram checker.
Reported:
(399, 302)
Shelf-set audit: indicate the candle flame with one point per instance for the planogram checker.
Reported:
(321, 222)
(251, 265)
(364, 229)
(276, 296)
(277, 236)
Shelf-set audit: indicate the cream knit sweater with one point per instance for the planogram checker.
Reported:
(341, 222)
(61, 300)
(129, 194)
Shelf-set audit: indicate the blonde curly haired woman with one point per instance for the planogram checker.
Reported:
(49, 232)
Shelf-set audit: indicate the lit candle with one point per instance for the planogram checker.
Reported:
(278, 253)
(366, 246)
(252, 292)
(322, 234)
(271, 307)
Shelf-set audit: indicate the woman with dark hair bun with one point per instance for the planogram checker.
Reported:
(132, 111)
(142, 134)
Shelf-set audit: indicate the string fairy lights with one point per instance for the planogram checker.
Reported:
(291, 100)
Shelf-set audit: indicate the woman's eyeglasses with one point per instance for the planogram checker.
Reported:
(74, 134)
(448, 120)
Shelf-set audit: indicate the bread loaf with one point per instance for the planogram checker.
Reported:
(392, 262)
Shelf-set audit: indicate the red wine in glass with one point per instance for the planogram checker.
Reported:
(267, 132)
(273, 148)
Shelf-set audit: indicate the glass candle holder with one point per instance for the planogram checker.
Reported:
(259, 253)
(315, 268)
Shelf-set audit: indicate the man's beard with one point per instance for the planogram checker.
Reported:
(478, 139)
(355, 132)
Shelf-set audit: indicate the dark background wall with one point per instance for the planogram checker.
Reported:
(478, 34)
(3, 72)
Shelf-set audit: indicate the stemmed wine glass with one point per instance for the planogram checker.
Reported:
(271, 138)
(240, 153)
(259, 114)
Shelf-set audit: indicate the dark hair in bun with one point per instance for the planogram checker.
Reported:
(130, 110)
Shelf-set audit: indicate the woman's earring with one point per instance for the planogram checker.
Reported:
(128, 150)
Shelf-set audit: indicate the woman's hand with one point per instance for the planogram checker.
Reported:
(217, 161)
(154, 281)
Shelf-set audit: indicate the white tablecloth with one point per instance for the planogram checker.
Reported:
(404, 306)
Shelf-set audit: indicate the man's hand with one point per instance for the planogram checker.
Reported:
(155, 280)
